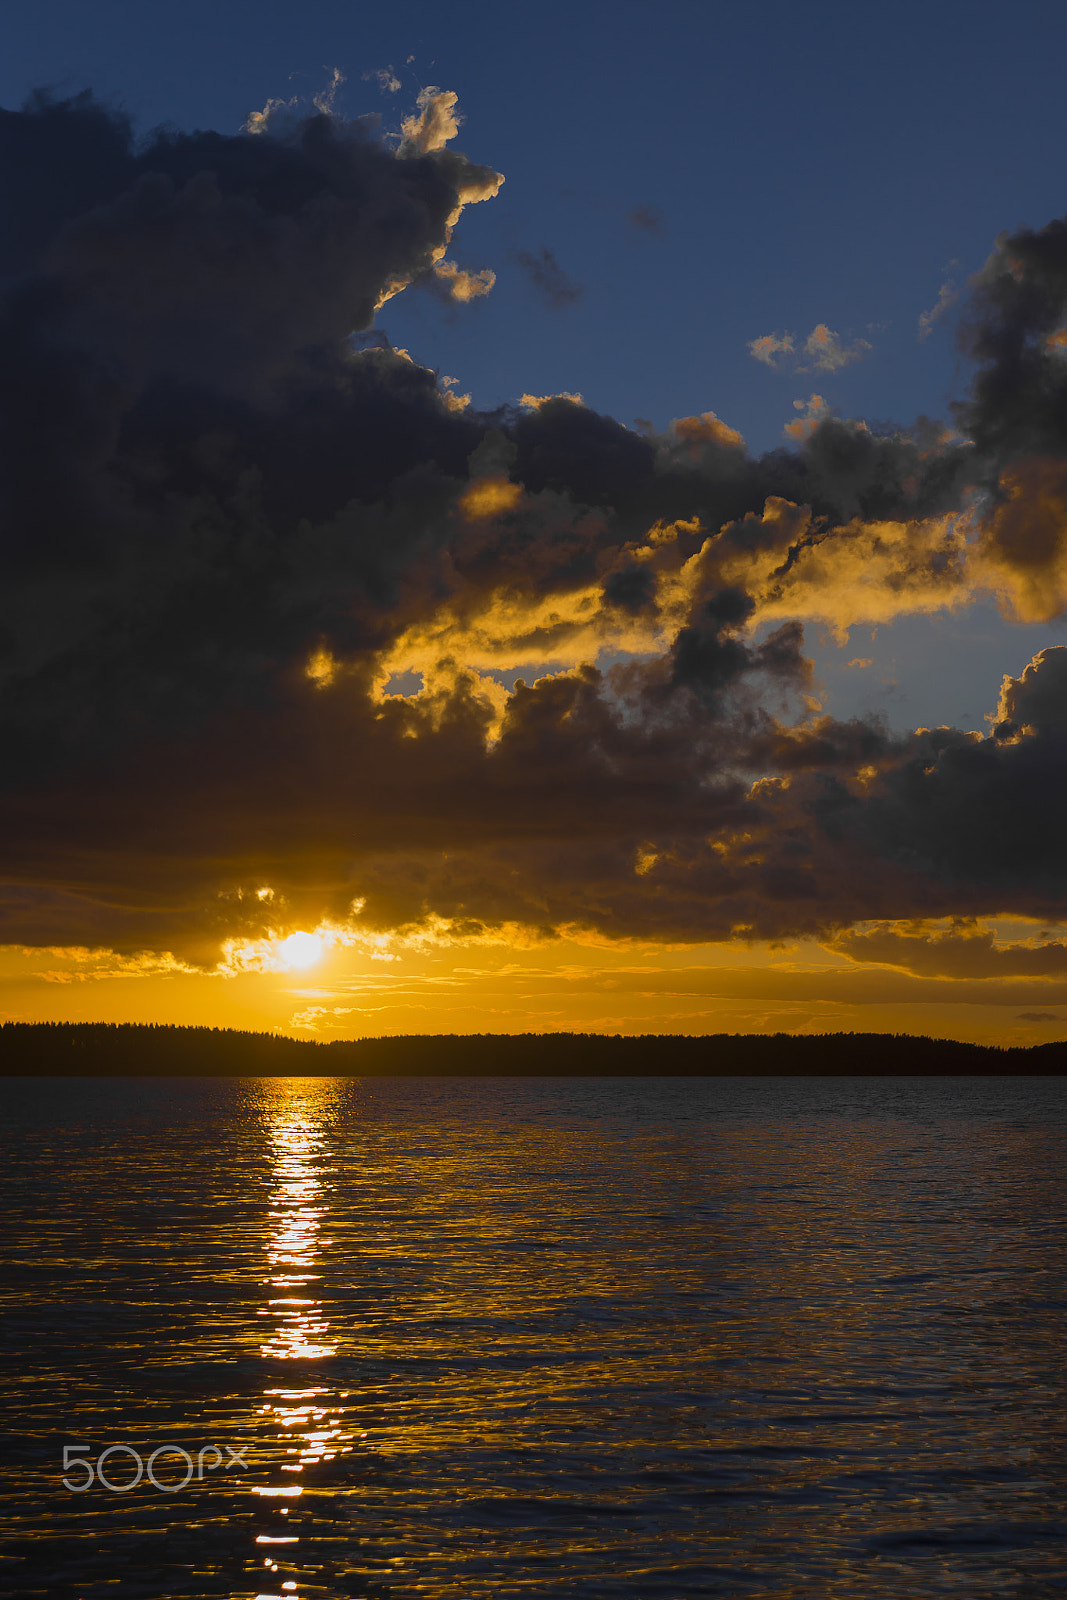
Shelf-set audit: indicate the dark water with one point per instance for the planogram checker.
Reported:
(536, 1338)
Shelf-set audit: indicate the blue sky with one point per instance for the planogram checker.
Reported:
(830, 165)
(827, 164)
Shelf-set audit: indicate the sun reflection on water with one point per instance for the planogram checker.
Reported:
(297, 1133)
(307, 1418)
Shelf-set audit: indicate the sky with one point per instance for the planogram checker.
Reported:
(537, 518)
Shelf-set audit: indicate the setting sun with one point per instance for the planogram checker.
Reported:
(300, 950)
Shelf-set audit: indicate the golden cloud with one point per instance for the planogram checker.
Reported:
(462, 285)
(534, 402)
(490, 497)
(436, 122)
(707, 429)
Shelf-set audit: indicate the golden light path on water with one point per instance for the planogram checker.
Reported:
(296, 1117)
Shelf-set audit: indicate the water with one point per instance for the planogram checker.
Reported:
(536, 1337)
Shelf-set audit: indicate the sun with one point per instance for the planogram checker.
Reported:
(300, 950)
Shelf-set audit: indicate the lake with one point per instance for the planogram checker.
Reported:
(318, 1337)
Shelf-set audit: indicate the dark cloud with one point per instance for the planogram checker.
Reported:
(553, 286)
(226, 525)
(964, 950)
(856, 826)
(633, 588)
(1014, 330)
(593, 459)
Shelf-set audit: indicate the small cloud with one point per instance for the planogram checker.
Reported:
(106, 964)
(279, 114)
(822, 350)
(860, 661)
(649, 219)
(947, 296)
(324, 100)
(316, 1018)
(772, 345)
(815, 410)
(1038, 1016)
(534, 402)
(385, 78)
(462, 285)
(454, 402)
(436, 122)
(556, 289)
(274, 110)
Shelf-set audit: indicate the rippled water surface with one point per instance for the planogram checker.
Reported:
(615, 1337)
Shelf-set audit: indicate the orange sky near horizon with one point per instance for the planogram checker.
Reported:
(555, 986)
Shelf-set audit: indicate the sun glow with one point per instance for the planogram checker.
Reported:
(275, 953)
(299, 950)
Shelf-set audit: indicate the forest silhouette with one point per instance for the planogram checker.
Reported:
(105, 1049)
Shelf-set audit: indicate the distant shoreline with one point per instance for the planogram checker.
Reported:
(102, 1049)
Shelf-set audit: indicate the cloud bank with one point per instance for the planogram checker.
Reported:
(291, 635)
